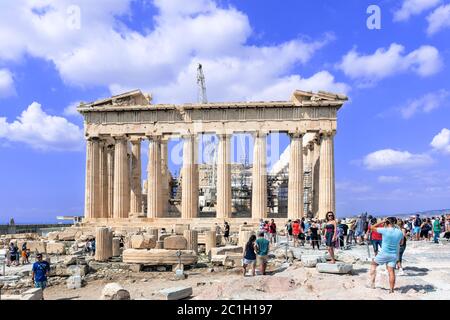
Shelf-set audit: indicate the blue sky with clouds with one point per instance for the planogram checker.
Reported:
(393, 142)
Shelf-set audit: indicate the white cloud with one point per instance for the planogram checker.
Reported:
(393, 158)
(439, 19)
(441, 141)
(42, 131)
(425, 104)
(413, 7)
(389, 179)
(368, 69)
(162, 60)
(71, 109)
(6, 83)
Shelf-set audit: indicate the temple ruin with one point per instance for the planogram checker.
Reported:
(115, 128)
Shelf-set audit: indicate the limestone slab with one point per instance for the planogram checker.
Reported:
(176, 293)
(337, 268)
(175, 243)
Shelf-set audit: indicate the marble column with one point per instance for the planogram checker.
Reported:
(295, 182)
(316, 175)
(92, 191)
(110, 164)
(121, 206)
(259, 177)
(136, 184)
(326, 176)
(223, 195)
(154, 179)
(103, 185)
(189, 185)
(103, 244)
(165, 175)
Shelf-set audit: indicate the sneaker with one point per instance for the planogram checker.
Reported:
(401, 272)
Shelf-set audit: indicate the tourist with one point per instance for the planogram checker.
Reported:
(226, 232)
(25, 253)
(436, 230)
(273, 231)
(262, 250)
(217, 228)
(315, 238)
(93, 247)
(351, 232)
(375, 237)
(425, 229)
(306, 231)
(359, 231)
(249, 255)
(402, 248)
(288, 230)
(447, 228)
(296, 231)
(342, 227)
(417, 222)
(330, 234)
(39, 272)
(261, 225)
(392, 236)
(13, 253)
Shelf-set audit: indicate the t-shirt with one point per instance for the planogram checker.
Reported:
(344, 228)
(436, 226)
(40, 269)
(273, 228)
(359, 225)
(296, 228)
(263, 245)
(376, 235)
(391, 240)
(307, 226)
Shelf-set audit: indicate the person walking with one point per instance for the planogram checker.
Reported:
(315, 238)
(262, 251)
(226, 232)
(417, 222)
(392, 236)
(288, 230)
(402, 248)
(273, 231)
(436, 230)
(359, 231)
(39, 272)
(296, 231)
(249, 255)
(330, 234)
(13, 253)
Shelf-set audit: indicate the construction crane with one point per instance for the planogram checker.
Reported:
(201, 85)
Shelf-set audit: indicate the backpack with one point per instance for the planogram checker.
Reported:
(417, 222)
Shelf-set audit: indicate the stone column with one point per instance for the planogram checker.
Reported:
(110, 165)
(189, 185)
(103, 244)
(192, 239)
(326, 176)
(121, 206)
(92, 192)
(153, 232)
(259, 177)
(116, 247)
(223, 177)
(154, 179)
(103, 184)
(295, 182)
(211, 241)
(165, 175)
(316, 175)
(136, 184)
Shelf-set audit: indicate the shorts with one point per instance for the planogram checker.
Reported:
(375, 244)
(248, 261)
(261, 259)
(359, 233)
(389, 259)
(416, 230)
(290, 232)
(40, 284)
(301, 236)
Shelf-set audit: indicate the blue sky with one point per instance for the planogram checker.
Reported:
(393, 144)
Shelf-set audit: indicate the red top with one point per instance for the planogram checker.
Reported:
(296, 228)
(376, 235)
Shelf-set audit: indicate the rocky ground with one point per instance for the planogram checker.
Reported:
(426, 265)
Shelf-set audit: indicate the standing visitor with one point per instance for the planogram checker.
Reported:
(93, 247)
(217, 228)
(306, 231)
(249, 255)
(262, 250)
(392, 236)
(288, 230)
(39, 272)
(342, 233)
(375, 237)
(226, 232)
(447, 228)
(296, 231)
(417, 222)
(24, 253)
(351, 232)
(315, 238)
(436, 230)
(273, 231)
(402, 248)
(13, 251)
(330, 234)
(359, 231)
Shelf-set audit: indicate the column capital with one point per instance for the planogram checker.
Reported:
(93, 139)
(260, 133)
(154, 137)
(135, 139)
(328, 133)
(296, 134)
